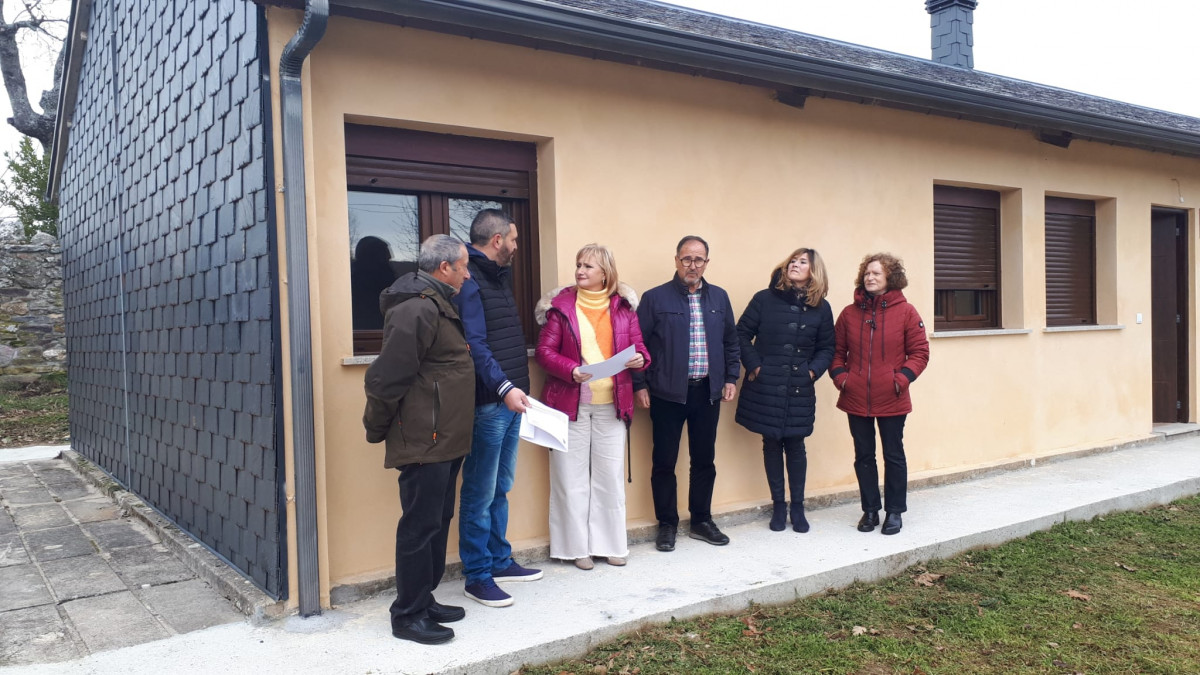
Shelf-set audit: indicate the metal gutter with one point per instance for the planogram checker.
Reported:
(542, 22)
(77, 35)
(291, 97)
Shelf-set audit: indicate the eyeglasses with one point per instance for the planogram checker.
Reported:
(693, 262)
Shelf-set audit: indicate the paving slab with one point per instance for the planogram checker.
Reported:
(92, 509)
(24, 479)
(58, 543)
(81, 577)
(22, 586)
(148, 566)
(12, 550)
(56, 474)
(7, 526)
(45, 516)
(27, 496)
(111, 621)
(123, 533)
(35, 635)
(77, 490)
(189, 605)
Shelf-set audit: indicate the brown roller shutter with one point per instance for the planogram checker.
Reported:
(966, 256)
(1070, 262)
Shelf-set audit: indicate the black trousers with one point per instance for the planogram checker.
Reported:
(774, 450)
(668, 418)
(895, 467)
(427, 497)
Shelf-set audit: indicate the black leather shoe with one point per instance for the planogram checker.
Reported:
(869, 521)
(424, 630)
(707, 531)
(665, 541)
(891, 524)
(445, 613)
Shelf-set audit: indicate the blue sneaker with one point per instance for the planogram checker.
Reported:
(487, 593)
(515, 572)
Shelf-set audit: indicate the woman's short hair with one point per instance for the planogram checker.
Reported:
(818, 280)
(605, 261)
(893, 270)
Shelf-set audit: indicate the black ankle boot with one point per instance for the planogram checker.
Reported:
(779, 517)
(799, 522)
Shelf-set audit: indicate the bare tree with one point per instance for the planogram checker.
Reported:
(35, 28)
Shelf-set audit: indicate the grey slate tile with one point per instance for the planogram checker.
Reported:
(28, 496)
(92, 509)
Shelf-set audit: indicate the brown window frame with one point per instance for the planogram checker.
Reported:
(439, 167)
(970, 260)
(1070, 242)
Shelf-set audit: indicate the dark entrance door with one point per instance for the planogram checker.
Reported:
(1168, 314)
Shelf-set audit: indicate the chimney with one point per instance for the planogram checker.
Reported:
(950, 22)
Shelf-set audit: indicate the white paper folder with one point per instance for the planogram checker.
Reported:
(544, 426)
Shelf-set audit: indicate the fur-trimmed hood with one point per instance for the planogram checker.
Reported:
(539, 312)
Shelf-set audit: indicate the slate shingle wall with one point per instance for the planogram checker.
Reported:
(165, 179)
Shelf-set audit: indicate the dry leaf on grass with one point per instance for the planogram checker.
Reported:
(928, 579)
(1077, 595)
(858, 630)
(1125, 567)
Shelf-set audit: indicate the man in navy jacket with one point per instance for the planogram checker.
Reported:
(493, 330)
(689, 328)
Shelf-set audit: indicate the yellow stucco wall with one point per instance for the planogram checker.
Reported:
(636, 158)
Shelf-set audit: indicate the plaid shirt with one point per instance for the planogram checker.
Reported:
(697, 340)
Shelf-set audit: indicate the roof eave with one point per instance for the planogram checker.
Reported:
(81, 12)
(531, 20)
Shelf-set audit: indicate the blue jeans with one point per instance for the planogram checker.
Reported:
(488, 474)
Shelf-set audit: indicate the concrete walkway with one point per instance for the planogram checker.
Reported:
(570, 610)
(77, 578)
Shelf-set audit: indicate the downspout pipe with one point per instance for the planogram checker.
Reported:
(295, 214)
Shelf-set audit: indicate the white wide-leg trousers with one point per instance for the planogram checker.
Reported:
(587, 488)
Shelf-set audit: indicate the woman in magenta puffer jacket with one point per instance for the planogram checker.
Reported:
(880, 349)
(587, 323)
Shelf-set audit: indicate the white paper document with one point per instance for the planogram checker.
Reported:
(609, 367)
(545, 426)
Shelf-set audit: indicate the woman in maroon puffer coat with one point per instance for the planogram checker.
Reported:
(589, 322)
(880, 349)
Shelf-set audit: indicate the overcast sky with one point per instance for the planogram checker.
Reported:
(1138, 52)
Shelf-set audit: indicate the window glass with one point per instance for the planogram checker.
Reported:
(462, 212)
(384, 244)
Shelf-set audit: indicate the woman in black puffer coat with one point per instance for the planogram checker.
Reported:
(787, 341)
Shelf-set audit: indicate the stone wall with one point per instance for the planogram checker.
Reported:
(32, 339)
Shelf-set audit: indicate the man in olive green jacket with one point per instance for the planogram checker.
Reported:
(421, 404)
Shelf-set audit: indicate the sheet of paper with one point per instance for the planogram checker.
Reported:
(545, 426)
(609, 367)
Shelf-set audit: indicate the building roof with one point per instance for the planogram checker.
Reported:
(659, 35)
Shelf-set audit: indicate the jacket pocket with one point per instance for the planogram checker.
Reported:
(437, 408)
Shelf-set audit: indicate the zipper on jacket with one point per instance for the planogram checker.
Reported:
(870, 354)
(437, 408)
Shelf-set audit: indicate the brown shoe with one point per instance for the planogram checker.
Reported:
(584, 563)
(616, 562)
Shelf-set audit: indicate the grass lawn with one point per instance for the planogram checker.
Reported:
(34, 414)
(1119, 594)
